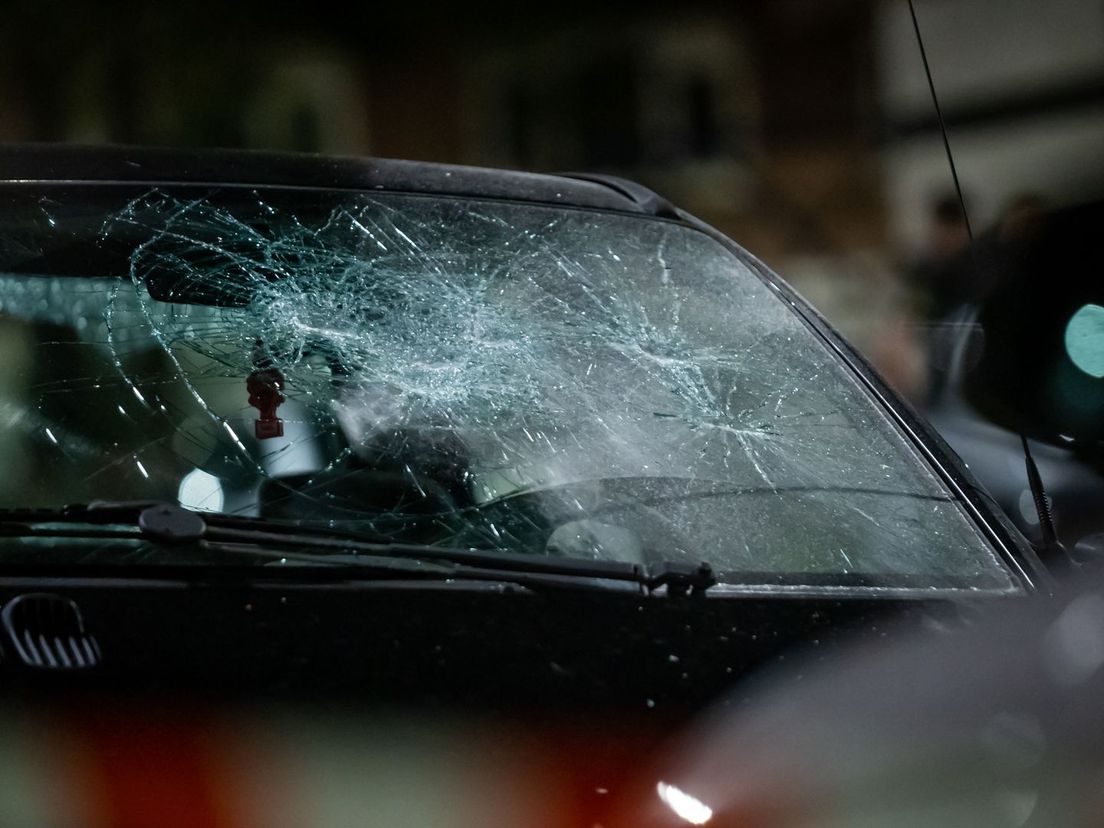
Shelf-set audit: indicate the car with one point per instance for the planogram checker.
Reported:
(398, 439)
(1025, 361)
(996, 724)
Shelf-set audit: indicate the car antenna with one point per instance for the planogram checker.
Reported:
(1052, 549)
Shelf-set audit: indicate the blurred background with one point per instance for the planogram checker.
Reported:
(802, 128)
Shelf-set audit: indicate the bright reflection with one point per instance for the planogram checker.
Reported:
(1085, 340)
(690, 809)
(200, 491)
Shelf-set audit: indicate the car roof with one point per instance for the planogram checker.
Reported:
(57, 163)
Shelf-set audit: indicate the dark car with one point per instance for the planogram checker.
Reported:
(374, 435)
(1026, 360)
(999, 724)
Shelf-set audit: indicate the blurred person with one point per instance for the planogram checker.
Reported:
(955, 274)
(1023, 218)
(941, 274)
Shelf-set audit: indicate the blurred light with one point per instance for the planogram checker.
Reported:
(1085, 340)
(200, 491)
(1028, 511)
(685, 806)
(1074, 644)
(1090, 546)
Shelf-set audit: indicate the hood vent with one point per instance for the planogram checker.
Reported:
(47, 632)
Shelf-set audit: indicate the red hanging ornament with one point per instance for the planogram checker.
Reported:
(266, 393)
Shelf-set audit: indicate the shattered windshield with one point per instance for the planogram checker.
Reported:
(492, 375)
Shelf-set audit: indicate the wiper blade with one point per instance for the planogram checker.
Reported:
(166, 521)
(169, 523)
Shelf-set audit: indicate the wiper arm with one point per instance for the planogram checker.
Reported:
(162, 520)
(169, 523)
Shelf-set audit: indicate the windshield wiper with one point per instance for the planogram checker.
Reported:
(171, 524)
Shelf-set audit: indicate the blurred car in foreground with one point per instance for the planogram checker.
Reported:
(997, 725)
(368, 442)
(1027, 359)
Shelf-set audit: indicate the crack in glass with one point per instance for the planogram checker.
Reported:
(449, 371)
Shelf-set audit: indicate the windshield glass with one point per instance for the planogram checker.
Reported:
(493, 375)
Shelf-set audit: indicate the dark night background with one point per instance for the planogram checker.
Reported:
(803, 128)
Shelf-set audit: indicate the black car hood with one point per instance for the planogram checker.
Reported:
(442, 646)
